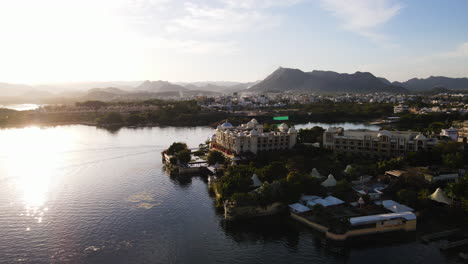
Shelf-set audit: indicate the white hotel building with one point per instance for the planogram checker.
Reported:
(250, 137)
(385, 143)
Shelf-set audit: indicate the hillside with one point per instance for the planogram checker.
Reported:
(285, 79)
(416, 84)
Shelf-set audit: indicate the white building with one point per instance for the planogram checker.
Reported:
(385, 143)
(251, 138)
(400, 108)
(452, 133)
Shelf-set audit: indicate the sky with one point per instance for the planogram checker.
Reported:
(228, 40)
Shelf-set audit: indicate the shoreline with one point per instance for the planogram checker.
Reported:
(123, 125)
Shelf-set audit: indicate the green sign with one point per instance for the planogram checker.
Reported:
(281, 118)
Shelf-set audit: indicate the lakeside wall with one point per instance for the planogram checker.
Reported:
(379, 228)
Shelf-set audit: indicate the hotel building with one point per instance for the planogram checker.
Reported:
(250, 137)
(384, 143)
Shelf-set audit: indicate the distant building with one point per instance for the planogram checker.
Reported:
(400, 108)
(251, 138)
(463, 133)
(385, 143)
(452, 133)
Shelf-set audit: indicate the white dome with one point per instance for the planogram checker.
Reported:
(283, 127)
(420, 137)
(384, 133)
(254, 121)
(213, 138)
(292, 130)
(226, 125)
(250, 125)
(253, 132)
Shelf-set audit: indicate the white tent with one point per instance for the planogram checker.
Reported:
(348, 169)
(330, 181)
(440, 196)
(256, 181)
(315, 174)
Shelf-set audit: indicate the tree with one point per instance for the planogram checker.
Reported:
(453, 160)
(215, 157)
(184, 156)
(310, 135)
(274, 171)
(407, 196)
(134, 119)
(176, 147)
(110, 118)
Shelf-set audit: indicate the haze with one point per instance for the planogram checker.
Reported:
(238, 40)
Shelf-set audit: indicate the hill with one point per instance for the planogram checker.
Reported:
(416, 84)
(285, 79)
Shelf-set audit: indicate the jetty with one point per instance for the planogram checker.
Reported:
(439, 235)
(454, 244)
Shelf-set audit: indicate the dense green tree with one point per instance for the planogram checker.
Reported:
(110, 119)
(274, 171)
(310, 135)
(408, 197)
(176, 147)
(184, 156)
(215, 157)
(453, 160)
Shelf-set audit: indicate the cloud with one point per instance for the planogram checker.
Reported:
(403, 68)
(460, 52)
(364, 17)
(230, 17)
(250, 4)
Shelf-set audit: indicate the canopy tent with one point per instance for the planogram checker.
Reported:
(348, 169)
(330, 181)
(315, 174)
(440, 196)
(256, 181)
(396, 207)
(298, 208)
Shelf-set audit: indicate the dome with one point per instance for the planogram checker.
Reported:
(218, 128)
(250, 125)
(254, 121)
(384, 133)
(253, 132)
(292, 130)
(283, 127)
(226, 125)
(213, 138)
(420, 137)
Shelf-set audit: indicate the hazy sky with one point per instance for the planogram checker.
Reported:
(235, 40)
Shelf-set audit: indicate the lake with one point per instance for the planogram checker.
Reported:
(21, 107)
(80, 194)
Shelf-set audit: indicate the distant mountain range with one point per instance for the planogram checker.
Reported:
(281, 80)
(416, 84)
(295, 80)
(285, 79)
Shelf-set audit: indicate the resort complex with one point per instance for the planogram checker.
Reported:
(383, 142)
(252, 138)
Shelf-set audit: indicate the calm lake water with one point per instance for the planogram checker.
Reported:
(79, 194)
(21, 107)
